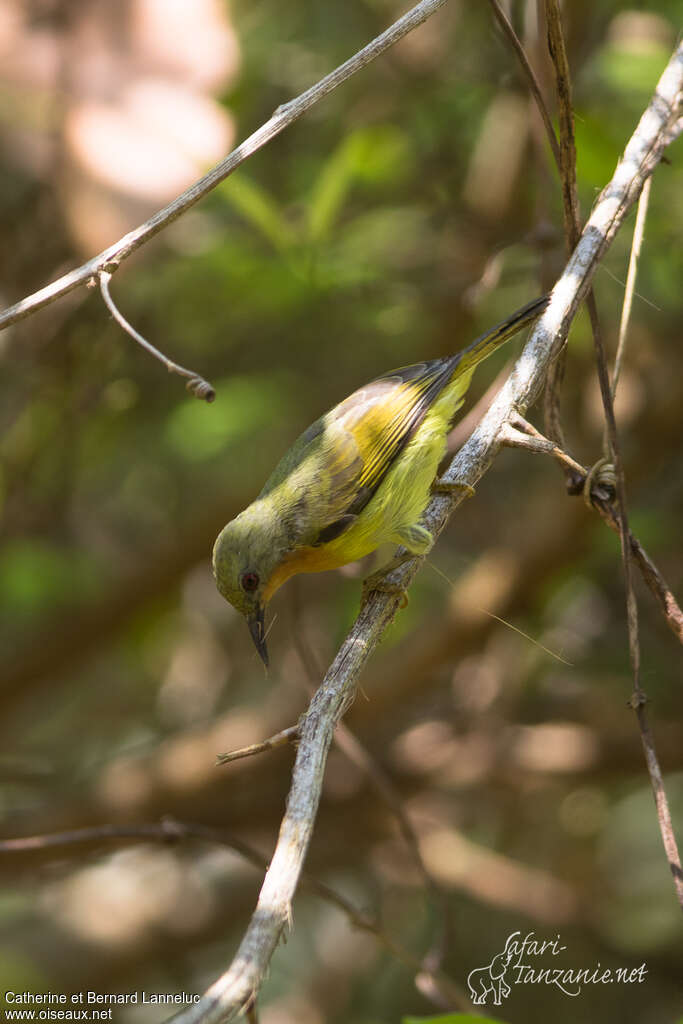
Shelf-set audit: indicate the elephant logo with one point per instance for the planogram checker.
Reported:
(483, 981)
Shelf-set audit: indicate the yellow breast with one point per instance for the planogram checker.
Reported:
(307, 559)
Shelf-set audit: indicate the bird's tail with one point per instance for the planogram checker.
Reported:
(485, 344)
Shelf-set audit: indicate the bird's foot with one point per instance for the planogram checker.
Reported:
(377, 582)
(441, 486)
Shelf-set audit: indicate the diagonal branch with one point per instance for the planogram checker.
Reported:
(238, 986)
(567, 161)
(530, 75)
(111, 258)
(440, 988)
(570, 210)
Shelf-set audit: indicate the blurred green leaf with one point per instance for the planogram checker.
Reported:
(597, 150)
(631, 72)
(367, 245)
(35, 574)
(258, 209)
(375, 156)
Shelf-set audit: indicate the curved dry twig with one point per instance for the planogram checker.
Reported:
(111, 258)
(237, 987)
(196, 384)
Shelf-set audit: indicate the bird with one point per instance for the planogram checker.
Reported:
(360, 476)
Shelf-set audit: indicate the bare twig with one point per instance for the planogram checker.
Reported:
(638, 699)
(638, 233)
(613, 454)
(571, 214)
(659, 587)
(285, 115)
(358, 754)
(567, 160)
(518, 433)
(166, 830)
(289, 735)
(237, 986)
(530, 75)
(570, 204)
(196, 384)
(440, 989)
(637, 702)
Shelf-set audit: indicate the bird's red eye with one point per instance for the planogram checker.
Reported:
(249, 581)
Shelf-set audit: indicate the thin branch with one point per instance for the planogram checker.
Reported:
(196, 384)
(115, 254)
(531, 78)
(571, 213)
(570, 205)
(636, 244)
(637, 702)
(289, 735)
(567, 159)
(358, 754)
(629, 545)
(441, 989)
(638, 699)
(242, 980)
(518, 433)
(659, 587)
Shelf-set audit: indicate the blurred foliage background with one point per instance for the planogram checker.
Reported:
(403, 215)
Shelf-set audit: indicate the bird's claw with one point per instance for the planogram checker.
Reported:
(378, 583)
(441, 486)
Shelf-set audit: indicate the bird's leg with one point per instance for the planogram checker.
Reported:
(415, 541)
(377, 582)
(441, 486)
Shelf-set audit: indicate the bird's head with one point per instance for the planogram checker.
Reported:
(245, 557)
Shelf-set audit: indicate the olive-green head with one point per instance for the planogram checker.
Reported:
(245, 556)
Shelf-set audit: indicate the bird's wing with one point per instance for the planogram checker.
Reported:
(364, 435)
(336, 466)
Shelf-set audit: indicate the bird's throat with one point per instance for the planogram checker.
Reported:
(307, 559)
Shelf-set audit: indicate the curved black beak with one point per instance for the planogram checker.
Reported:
(257, 630)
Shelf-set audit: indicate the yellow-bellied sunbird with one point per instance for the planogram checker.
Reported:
(358, 477)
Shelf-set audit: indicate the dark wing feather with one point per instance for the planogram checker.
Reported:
(334, 469)
(377, 422)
